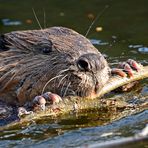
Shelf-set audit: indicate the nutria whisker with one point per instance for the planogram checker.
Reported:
(62, 80)
(79, 89)
(37, 19)
(62, 89)
(72, 92)
(63, 71)
(49, 82)
(60, 74)
(44, 18)
(67, 83)
(85, 84)
(66, 89)
(98, 16)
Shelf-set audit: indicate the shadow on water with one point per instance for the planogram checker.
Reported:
(120, 33)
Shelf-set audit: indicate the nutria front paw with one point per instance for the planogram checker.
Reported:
(22, 111)
(39, 102)
(127, 68)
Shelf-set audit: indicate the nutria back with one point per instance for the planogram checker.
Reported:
(56, 59)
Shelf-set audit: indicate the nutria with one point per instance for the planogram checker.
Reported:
(59, 58)
(56, 59)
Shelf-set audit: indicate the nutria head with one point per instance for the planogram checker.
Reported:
(56, 59)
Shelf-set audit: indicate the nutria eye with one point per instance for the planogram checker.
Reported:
(47, 49)
(83, 65)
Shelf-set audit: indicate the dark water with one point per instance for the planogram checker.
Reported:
(123, 34)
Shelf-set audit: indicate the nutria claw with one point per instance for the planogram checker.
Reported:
(127, 68)
(47, 97)
(22, 111)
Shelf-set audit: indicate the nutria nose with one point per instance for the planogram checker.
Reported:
(90, 62)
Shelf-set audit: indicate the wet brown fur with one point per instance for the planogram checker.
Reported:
(26, 70)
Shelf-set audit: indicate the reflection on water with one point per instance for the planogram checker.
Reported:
(73, 131)
(120, 33)
(143, 49)
(8, 22)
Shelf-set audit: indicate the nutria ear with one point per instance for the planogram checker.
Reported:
(3, 44)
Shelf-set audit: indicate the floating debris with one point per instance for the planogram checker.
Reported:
(109, 134)
(62, 14)
(114, 37)
(29, 21)
(98, 42)
(90, 16)
(8, 22)
(135, 46)
(134, 51)
(140, 48)
(143, 49)
(98, 29)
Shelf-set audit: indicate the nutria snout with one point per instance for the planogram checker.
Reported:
(56, 59)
